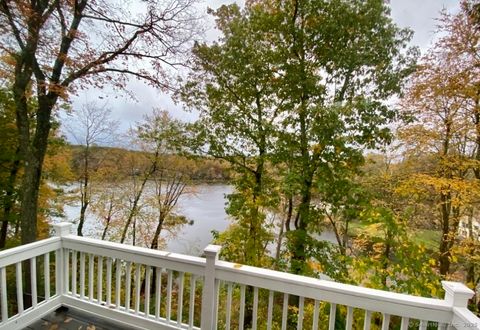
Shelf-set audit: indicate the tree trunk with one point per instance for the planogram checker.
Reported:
(4, 229)
(299, 235)
(9, 200)
(29, 207)
(285, 220)
(253, 250)
(470, 250)
(81, 221)
(444, 259)
(85, 199)
(108, 218)
(134, 209)
(132, 213)
(386, 258)
(154, 245)
(33, 152)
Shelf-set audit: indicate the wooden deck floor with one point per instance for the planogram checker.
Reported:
(70, 319)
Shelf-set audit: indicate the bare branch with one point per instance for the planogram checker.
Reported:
(15, 30)
(140, 75)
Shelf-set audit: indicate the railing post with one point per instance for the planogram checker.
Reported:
(61, 277)
(457, 294)
(62, 229)
(209, 294)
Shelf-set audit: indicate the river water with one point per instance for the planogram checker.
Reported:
(205, 207)
(207, 210)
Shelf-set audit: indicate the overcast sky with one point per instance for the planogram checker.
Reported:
(419, 15)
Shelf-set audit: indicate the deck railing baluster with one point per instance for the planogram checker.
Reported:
(255, 308)
(331, 318)
(82, 275)
(285, 311)
(301, 304)
(46, 274)
(386, 321)
(228, 312)
(66, 270)
(148, 272)
(169, 295)
(128, 286)
(191, 307)
(74, 273)
(270, 310)
(137, 288)
(91, 259)
(118, 277)
(181, 277)
(242, 307)
(367, 322)
(158, 292)
(349, 318)
(99, 279)
(404, 324)
(315, 315)
(33, 280)
(19, 276)
(3, 291)
(109, 282)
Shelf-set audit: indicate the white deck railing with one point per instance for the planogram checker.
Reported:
(150, 289)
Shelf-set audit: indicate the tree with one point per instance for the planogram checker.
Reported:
(387, 249)
(339, 63)
(444, 99)
(110, 201)
(53, 48)
(140, 169)
(387, 257)
(160, 134)
(302, 86)
(233, 85)
(92, 127)
(11, 169)
(157, 136)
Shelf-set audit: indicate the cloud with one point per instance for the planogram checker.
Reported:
(421, 17)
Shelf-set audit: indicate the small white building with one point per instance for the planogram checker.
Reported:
(469, 227)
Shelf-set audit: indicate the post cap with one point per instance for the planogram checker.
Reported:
(212, 250)
(62, 229)
(457, 294)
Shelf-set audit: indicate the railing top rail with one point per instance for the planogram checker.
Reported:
(332, 286)
(135, 254)
(450, 310)
(465, 319)
(356, 296)
(27, 251)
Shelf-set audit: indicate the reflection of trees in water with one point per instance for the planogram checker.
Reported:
(111, 205)
(201, 204)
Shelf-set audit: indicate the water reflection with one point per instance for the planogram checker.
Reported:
(206, 207)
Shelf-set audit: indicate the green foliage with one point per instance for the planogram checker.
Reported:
(388, 257)
(8, 142)
(338, 90)
(9, 164)
(301, 87)
(233, 86)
